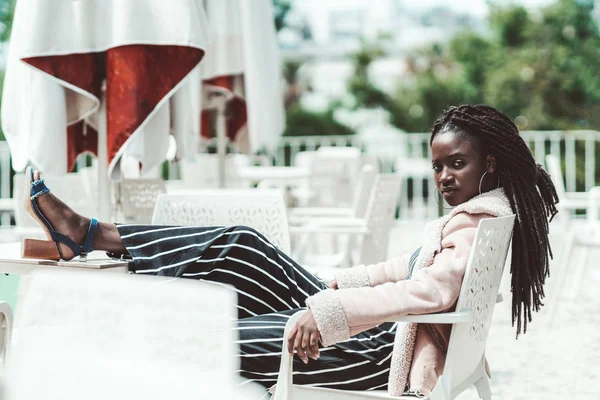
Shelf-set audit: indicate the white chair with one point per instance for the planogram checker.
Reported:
(201, 172)
(360, 199)
(465, 361)
(117, 336)
(373, 230)
(579, 240)
(6, 321)
(137, 198)
(263, 210)
(419, 170)
(568, 201)
(333, 171)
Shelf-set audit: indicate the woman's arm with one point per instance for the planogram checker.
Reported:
(342, 313)
(373, 275)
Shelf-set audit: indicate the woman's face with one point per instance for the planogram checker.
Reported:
(458, 166)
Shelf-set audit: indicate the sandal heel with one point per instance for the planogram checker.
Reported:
(40, 249)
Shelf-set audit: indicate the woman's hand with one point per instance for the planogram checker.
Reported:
(304, 338)
(333, 284)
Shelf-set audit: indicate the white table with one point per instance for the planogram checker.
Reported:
(283, 175)
(11, 262)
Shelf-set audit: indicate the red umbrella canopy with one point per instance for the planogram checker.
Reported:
(137, 78)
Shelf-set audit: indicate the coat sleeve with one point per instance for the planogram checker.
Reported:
(345, 312)
(373, 275)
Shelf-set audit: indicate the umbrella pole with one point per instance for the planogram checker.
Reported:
(221, 139)
(104, 211)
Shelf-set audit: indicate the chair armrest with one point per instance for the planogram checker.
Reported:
(456, 317)
(284, 379)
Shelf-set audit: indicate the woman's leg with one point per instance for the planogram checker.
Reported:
(361, 363)
(265, 279)
(66, 221)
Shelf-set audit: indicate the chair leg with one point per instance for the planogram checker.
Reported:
(483, 388)
(559, 279)
(580, 268)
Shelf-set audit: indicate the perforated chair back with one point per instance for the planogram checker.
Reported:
(263, 210)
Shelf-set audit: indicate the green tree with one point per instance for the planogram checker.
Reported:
(7, 12)
(366, 94)
(280, 9)
(539, 65)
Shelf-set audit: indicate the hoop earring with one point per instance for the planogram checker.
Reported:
(481, 180)
(436, 194)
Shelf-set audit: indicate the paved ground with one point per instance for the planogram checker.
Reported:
(559, 357)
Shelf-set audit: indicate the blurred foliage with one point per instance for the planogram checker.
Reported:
(366, 94)
(301, 122)
(7, 12)
(541, 66)
(293, 86)
(280, 9)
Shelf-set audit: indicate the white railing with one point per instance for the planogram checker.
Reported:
(563, 144)
(576, 150)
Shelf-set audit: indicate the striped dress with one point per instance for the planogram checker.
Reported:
(270, 288)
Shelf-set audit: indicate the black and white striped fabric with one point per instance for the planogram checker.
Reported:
(270, 288)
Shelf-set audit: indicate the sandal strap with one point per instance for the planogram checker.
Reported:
(38, 188)
(89, 238)
(60, 238)
(78, 250)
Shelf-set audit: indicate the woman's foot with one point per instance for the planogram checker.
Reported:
(60, 216)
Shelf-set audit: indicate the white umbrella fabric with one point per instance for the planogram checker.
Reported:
(64, 53)
(243, 62)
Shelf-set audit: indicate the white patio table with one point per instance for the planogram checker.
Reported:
(11, 262)
(281, 175)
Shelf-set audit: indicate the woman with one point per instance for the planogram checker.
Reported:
(481, 166)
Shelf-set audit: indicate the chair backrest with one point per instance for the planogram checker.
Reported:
(363, 189)
(263, 210)
(79, 190)
(380, 217)
(333, 172)
(553, 165)
(370, 159)
(138, 198)
(104, 335)
(478, 294)
(201, 172)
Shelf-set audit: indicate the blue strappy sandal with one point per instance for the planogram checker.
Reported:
(50, 249)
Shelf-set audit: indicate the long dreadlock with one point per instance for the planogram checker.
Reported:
(531, 194)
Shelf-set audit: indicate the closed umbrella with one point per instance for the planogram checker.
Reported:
(104, 77)
(243, 63)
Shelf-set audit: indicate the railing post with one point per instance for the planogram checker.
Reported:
(570, 167)
(590, 161)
